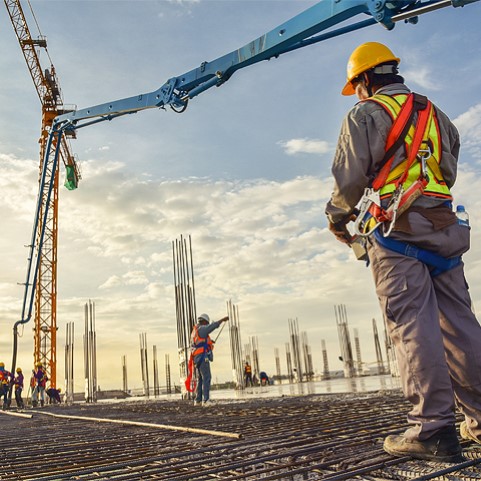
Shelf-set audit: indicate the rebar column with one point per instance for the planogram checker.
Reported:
(69, 357)
(90, 353)
(278, 364)
(255, 356)
(144, 363)
(296, 350)
(290, 371)
(306, 351)
(390, 354)
(156, 371)
(185, 307)
(357, 344)
(344, 340)
(168, 381)
(235, 345)
(380, 363)
(325, 363)
(125, 387)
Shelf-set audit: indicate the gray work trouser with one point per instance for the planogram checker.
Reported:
(436, 336)
(203, 380)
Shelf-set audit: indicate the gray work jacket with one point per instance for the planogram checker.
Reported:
(361, 148)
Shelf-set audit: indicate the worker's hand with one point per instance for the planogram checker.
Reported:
(224, 319)
(339, 229)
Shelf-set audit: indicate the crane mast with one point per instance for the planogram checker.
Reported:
(49, 93)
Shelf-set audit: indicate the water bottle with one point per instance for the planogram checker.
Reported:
(462, 215)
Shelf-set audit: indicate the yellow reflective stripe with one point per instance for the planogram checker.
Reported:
(436, 184)
(391, 102)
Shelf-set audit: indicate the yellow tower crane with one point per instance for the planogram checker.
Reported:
(48, 89)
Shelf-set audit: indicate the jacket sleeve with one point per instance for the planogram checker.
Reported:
(450, 147)
(360, 149)
(204, 331)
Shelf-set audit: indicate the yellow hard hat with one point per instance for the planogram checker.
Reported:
(19, 369)
(2, 364)
(38, 364)
(365, 57)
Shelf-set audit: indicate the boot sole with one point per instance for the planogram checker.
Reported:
(454, 458)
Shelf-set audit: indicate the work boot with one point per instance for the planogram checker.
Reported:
(466, 433)
(442, 446)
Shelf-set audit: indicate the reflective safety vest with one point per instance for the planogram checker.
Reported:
(200, 345)
(430, 149)
(4, 377)
(248, 369)
(18, 381)
(40, 378)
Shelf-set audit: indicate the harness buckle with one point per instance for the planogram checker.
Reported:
(392, 209)
(423, 155)
(369, 201)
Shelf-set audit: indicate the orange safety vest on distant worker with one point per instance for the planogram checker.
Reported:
(201, 345)
(431, 145)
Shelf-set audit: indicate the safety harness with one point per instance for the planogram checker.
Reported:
(419, 174)
(201, 345)
(401, 186)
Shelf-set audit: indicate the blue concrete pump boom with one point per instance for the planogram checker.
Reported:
(307, 28)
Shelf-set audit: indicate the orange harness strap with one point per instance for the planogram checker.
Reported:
(399, 129)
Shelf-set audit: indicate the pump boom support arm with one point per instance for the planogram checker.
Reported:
(303, 29)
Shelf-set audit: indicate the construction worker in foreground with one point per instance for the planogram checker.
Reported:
(203, 346)
(5, 379)
(39, 381)
(401, 164)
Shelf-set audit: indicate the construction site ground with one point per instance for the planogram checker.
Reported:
(311, 437)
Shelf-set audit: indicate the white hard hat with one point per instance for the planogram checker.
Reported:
(204, 317)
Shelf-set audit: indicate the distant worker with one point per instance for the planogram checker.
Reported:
(39, 382)
(18, 384)
(247, 375)
(54, 395)
(397, 153)
(202, 346)
(5, 379)
(264, 378)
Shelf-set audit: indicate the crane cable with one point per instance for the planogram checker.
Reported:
(39, 31)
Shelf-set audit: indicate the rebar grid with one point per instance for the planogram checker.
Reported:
(314, 437)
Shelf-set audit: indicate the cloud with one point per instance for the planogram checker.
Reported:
(305, 146)
(469, 126)
(262, 243)
(422, 76)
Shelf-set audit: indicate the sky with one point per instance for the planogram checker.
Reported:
(245, 172)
